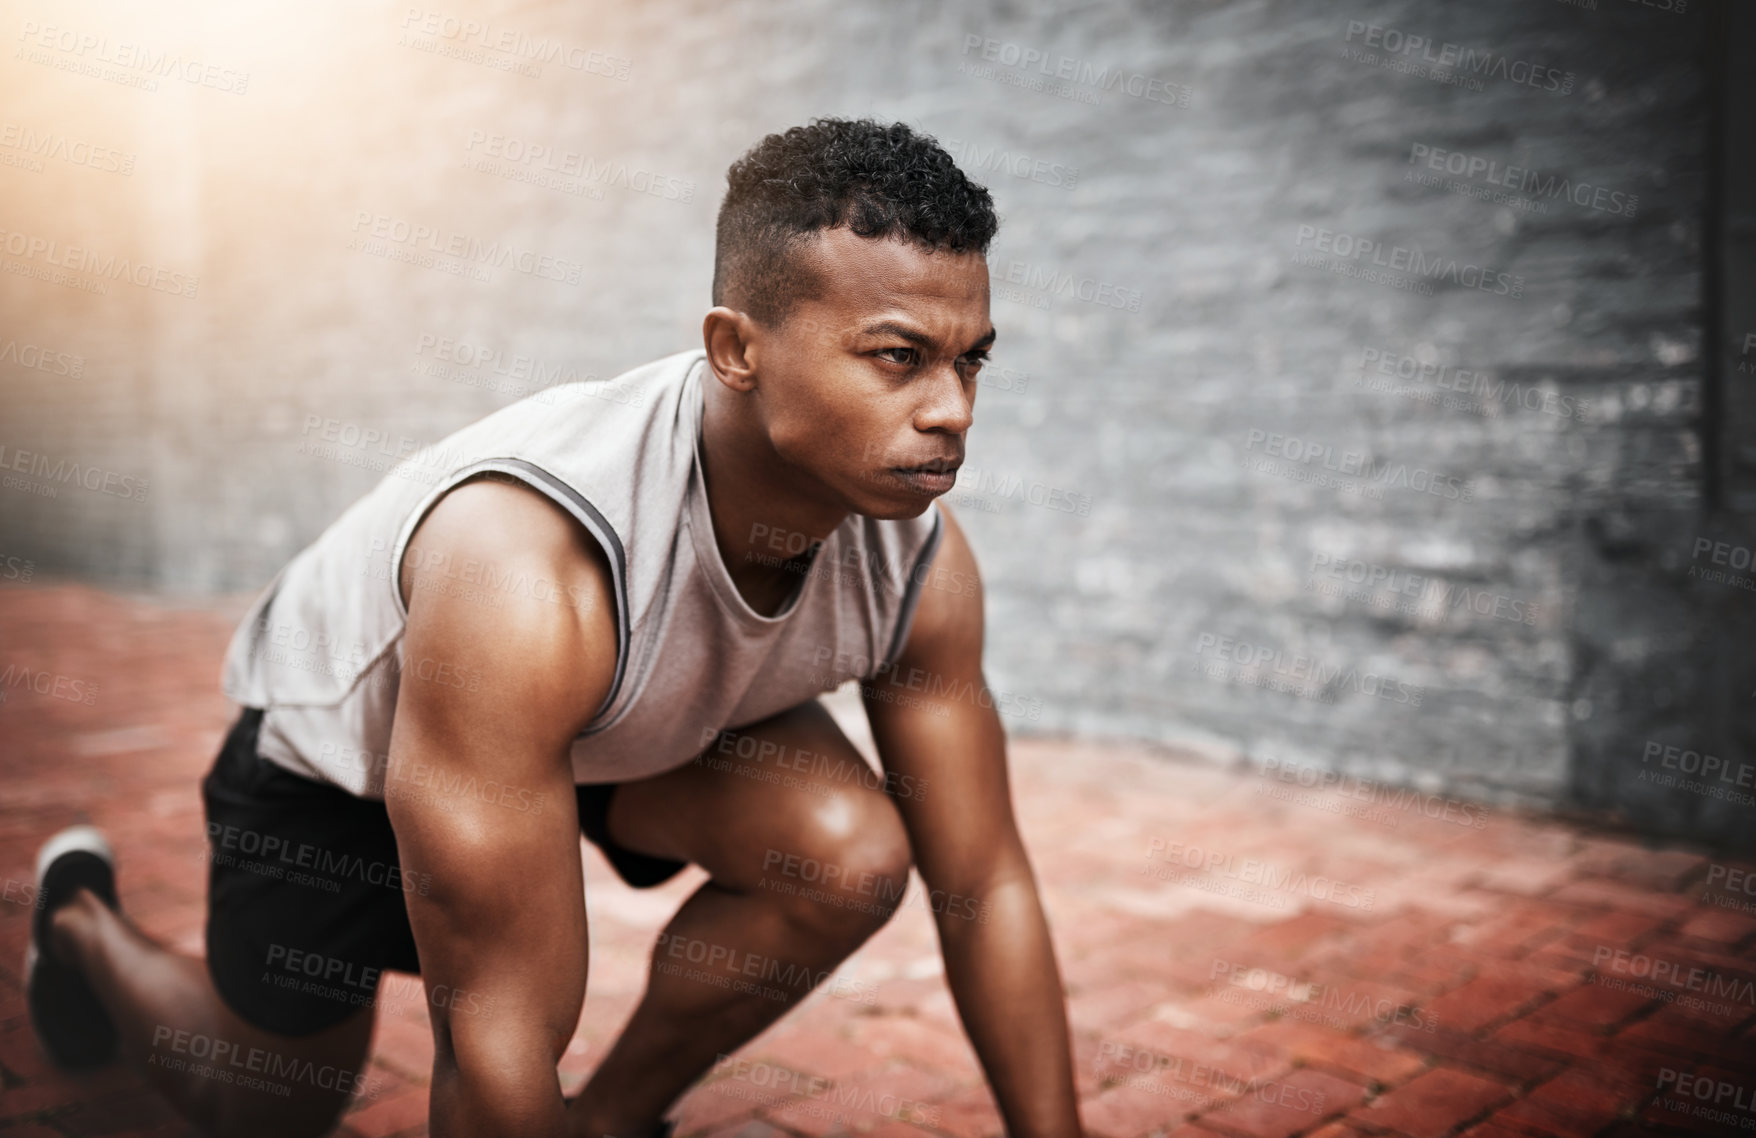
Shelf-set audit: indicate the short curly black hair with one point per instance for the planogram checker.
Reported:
(878, 180)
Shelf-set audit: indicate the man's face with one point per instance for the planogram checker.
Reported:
(872, 377)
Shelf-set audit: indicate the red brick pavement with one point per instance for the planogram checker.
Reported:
(1245, 958)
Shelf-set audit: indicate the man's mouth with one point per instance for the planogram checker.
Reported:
(935, 477)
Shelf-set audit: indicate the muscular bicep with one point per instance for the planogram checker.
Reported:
(496, 681)
(933, 718)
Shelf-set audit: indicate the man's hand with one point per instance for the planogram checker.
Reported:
(509, 650)
(933, 718)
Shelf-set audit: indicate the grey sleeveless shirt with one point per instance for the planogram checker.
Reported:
(321, 650)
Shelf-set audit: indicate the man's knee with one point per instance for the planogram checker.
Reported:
(844, 866)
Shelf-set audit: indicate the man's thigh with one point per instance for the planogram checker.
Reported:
(790, 785)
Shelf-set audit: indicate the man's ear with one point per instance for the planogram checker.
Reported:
(732, 340)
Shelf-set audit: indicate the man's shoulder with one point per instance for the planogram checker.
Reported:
(947, 587)
(514, 578)
(505, 534)
(899, 554)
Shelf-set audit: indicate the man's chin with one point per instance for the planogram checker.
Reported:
(897, 513)
(899, 504)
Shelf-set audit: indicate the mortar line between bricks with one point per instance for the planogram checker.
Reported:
(1542, 1000)
(1656, 1006)
(1375, 1087)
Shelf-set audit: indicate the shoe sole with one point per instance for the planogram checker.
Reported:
(73, 839)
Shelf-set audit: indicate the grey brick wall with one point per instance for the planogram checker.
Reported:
(1307, 442)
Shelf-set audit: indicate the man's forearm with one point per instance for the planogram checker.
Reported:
(1002, 975)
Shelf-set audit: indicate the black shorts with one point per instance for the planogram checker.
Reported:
(305, 904)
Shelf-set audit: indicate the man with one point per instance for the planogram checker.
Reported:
(612, 610)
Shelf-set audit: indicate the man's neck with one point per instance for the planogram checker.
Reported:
(764, 529)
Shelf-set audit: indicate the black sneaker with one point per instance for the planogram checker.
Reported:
(72, 1026)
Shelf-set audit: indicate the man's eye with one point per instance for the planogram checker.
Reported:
(898, 355)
